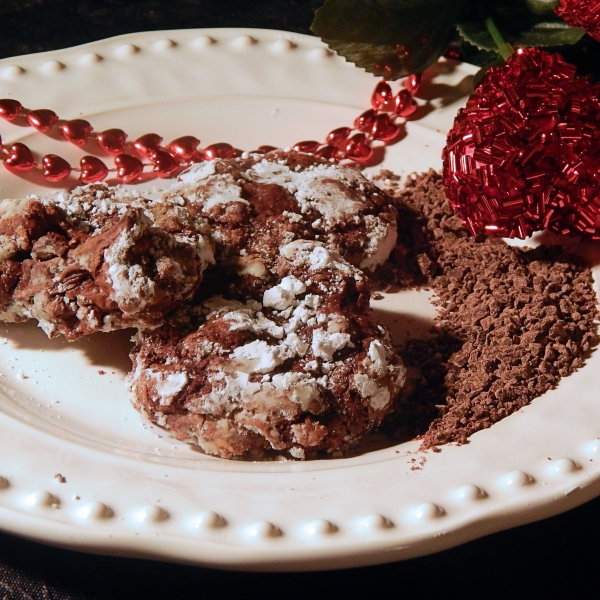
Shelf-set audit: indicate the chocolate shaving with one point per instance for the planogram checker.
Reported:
(513, 321)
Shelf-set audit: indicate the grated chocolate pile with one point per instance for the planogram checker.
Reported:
(513, 321)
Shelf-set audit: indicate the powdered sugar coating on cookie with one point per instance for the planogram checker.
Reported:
(92, 261)
(304, 368)
(259, 203)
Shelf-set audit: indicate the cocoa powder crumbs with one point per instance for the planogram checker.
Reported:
(513, 321)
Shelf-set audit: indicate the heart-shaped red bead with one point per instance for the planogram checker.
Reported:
(338, 136)
(92, 169)
(383, 129)
(129, 168)
(413, 82)
(147, 144)
(404, 104)
(382, 94)
(20, 158)
(365, 121)
(185, 147)
(111, 141)
(10, 109)
(42, 119)
(307, 146)
(220, 150)
(76, 131)
(327, 152)
(55, 167)
(164, 164)
(265, 148)
(357, 148)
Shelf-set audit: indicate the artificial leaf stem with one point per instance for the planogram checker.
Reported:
(505, 50)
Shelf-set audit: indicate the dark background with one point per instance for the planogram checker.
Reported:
(558, 557)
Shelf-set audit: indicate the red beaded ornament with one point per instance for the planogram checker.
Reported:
(581, 13)
(524, 154)
(383, 123)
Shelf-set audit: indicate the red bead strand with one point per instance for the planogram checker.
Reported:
(381, 123)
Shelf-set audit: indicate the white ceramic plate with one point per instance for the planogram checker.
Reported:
(79, 470)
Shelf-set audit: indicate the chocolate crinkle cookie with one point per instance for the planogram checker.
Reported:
(300, 369)
(257, 203)
(92, 261)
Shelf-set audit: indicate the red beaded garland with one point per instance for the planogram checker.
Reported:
(524, 154)
(379, 123)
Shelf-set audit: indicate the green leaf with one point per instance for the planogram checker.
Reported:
(390, 38)
(477, 34)
(539, 7)
(547, 32)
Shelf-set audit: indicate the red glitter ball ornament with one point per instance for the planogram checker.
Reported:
(581, 13)
(524, 154)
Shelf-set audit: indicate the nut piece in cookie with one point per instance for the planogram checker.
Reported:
(91, 261)
(300, 369)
